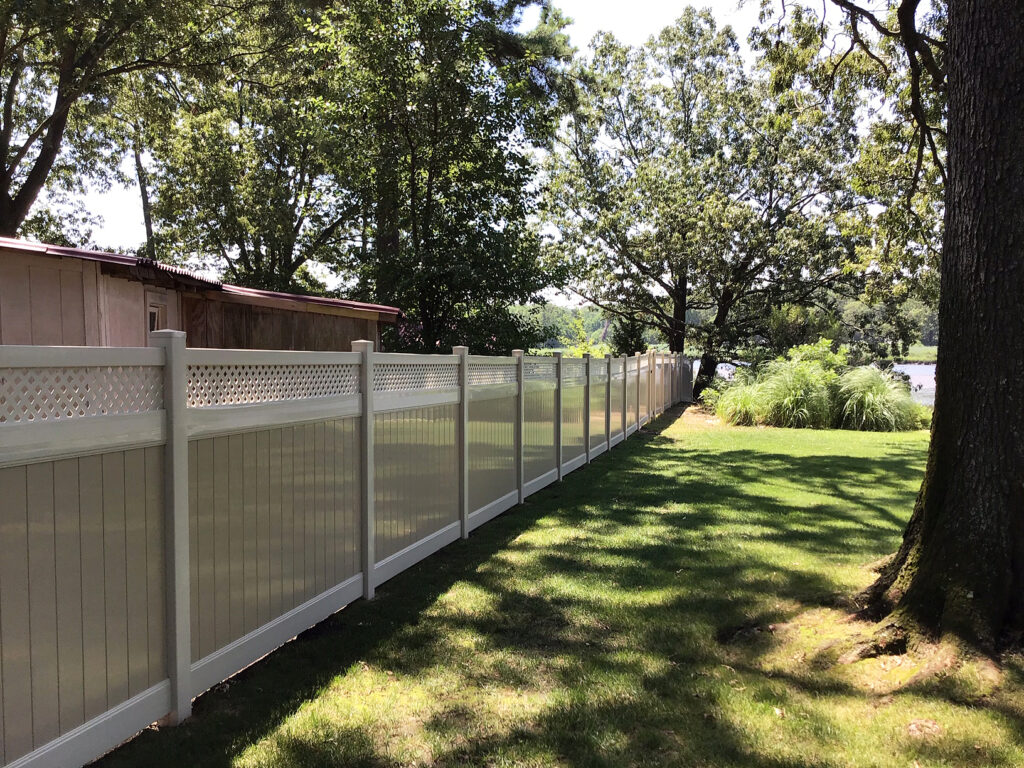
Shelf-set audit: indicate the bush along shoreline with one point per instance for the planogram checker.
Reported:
(814, 387)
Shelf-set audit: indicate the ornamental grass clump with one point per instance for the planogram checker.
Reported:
(796, 393)
(874, 400)
(738, 405)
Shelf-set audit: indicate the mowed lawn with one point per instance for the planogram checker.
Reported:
(675, 603)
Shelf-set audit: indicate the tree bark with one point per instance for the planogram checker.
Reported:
(960, 570)
(147, 207)
(706, 372)
(677, 333)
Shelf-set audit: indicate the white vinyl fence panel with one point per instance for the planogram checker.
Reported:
(171, 515)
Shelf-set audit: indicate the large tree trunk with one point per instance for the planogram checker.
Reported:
(677, 333)
(706, 372)
(960, 570)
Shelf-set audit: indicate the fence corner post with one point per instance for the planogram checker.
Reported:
(366, 466)
(176, 536)
(518, 430)
(462, 435)
(558, 413)
(587, 359)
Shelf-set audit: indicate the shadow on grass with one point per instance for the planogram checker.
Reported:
(616, 593)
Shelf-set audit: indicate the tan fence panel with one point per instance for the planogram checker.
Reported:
(598, 403)
(274, 521)
(492, 470)
(574, 381)
(81, 591)
(617, 382)
(645, 403)
(415, 476)
(539, 423)
(632, 393)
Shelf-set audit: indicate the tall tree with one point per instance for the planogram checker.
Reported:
(254, 176)
(685, 184)
(60, 64)
(455, 97)
(959, 572)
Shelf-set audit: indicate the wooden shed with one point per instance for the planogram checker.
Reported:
(51, 295)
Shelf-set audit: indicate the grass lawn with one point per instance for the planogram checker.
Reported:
(920, 353)
(672, 604)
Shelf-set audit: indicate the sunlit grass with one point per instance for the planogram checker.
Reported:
(676, 603)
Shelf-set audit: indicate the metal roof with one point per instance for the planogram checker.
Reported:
(188, 276)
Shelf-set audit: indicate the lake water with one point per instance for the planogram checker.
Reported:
(922, 381)
(922, 378)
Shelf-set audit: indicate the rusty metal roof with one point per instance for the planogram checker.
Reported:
(141, 265)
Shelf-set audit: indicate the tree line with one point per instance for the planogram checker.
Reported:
(444, 158)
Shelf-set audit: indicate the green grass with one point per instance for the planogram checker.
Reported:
(920, 353)
(673, 604)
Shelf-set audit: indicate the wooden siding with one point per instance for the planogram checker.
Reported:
(208, 322)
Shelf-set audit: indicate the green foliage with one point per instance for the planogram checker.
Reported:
(578, 342)
(813, 387)
(824, 352)
(873, 400)
(628, 336)
(687, 185)
(64, 65)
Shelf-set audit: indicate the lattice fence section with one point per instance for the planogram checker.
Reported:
(574, 372)
(631, 363)
(539, 370)
(397, 377)
(617, 366)
(598, 371)
(58, 394)
(214, 385)
(483, 375)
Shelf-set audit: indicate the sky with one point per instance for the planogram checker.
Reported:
(632, 22)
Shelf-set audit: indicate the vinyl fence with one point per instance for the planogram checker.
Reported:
(170, 515)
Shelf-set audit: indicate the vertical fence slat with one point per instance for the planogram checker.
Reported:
(14, 613)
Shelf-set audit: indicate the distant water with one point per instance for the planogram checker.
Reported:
(922, 381)
(922, 378)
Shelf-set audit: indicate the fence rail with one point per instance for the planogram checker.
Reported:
(170, 515)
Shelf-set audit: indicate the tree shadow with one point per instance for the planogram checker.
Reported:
(619, 595)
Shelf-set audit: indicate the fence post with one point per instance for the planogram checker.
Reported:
(462, 435)
(558, 413)
(520, 411)
(650, 384)
(638, 390)
(586, 405)
(176, 538)
(608, 402)
(625, 397)
(369, 558)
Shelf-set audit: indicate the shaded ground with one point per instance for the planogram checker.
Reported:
(672, 604)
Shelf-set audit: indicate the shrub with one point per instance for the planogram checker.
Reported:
(821, 352)
(796, 393)
(874, 400)
(738, 405)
